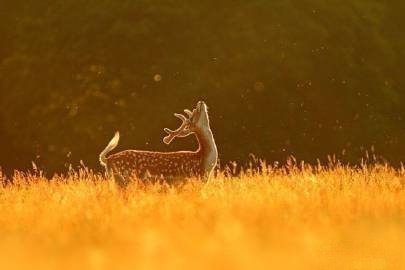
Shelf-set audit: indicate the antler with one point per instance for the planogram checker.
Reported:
(189, 113)
(182, 130)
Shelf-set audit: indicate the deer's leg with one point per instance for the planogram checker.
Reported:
(205, 177)
(121, 181)
(109, 173)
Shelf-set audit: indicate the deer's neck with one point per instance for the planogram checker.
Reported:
(208, 150)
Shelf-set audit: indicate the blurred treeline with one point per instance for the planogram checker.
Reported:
(301, 77)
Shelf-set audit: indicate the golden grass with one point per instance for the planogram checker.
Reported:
(339, 218)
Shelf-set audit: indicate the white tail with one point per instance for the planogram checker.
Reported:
(111, 145)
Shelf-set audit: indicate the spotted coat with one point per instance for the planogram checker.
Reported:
(146, 164)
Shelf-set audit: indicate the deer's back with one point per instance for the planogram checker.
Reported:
(157, 164)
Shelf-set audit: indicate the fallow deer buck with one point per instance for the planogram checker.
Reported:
(167, 165)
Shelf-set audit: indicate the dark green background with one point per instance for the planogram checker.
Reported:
(302, 77)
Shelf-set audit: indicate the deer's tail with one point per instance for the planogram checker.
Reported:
(111, 145)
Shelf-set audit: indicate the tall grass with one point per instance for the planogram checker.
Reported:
(280, 218)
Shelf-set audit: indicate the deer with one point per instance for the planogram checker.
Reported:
(141, 164)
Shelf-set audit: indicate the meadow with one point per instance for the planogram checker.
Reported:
(293, 217)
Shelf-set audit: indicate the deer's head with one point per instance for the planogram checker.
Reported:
(196, 121)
